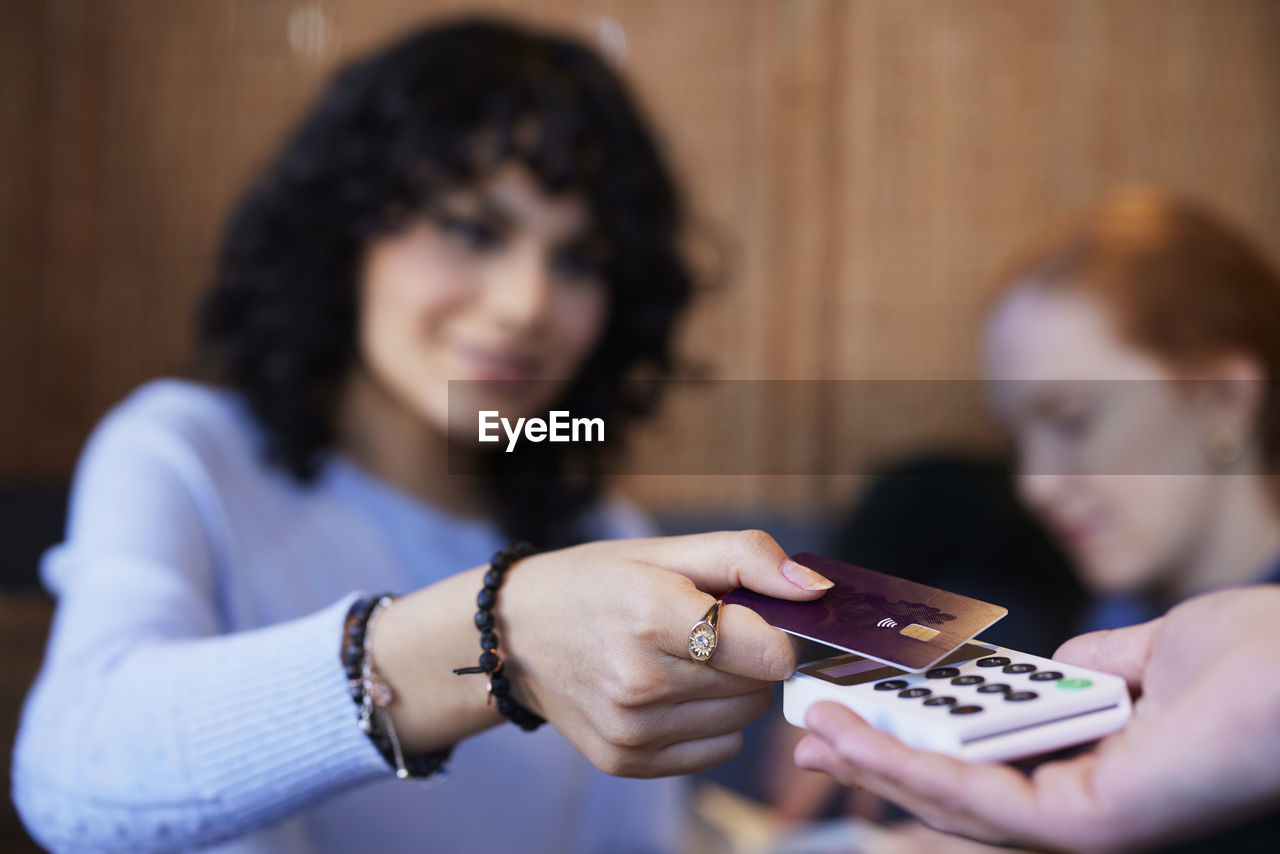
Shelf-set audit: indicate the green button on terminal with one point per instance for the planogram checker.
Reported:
(1074, 684)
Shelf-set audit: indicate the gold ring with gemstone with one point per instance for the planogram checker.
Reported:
(703, 637)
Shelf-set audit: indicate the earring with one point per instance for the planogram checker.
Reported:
(1224, 448)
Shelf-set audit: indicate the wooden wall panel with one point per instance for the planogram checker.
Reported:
(21, 198)
(866, 165)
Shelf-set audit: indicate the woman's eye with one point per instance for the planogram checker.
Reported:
(1072, 424)
(579, 266)
(474, 234)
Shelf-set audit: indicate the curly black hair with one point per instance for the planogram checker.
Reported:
(441, 109)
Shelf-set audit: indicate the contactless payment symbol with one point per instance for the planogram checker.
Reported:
(887, 623)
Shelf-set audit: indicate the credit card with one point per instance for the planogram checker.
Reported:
(890, 619)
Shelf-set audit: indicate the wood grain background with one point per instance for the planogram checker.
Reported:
(866, 163)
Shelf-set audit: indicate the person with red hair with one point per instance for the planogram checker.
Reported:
(1133, 355)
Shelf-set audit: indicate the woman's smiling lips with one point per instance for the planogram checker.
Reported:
(1077, 532)
(497, 365)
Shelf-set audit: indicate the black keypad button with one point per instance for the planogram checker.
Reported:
(965, 710)
(1017, 696)
(943, 672)
(968, 680)
(1046, 676)
(993, 661)
(994, 688)
(891, 685)
(1021, 667)
(913, 693)
(940, 701)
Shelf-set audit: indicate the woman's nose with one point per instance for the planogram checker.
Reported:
(520, 290)
(1040, 474)
(1037, 489)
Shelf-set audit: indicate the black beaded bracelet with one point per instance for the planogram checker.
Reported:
(371, 695)
(490, 662)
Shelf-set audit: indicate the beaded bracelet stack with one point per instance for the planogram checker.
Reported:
(372, 694)
(490, 662)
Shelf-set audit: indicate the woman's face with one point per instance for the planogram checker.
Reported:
(500, 283)
(1112, 448)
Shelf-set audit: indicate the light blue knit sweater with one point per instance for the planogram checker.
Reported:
(192, 698)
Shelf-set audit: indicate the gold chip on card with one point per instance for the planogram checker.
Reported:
(919, 632)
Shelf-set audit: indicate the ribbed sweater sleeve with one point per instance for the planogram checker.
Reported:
(149, 727)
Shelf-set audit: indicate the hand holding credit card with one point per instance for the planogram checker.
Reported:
(889, 619)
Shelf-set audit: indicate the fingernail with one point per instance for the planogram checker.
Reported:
(804, 577)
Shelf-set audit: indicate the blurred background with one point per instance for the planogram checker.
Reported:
(858, 169)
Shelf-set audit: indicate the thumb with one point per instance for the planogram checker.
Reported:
(1123, 652)
(723, 560)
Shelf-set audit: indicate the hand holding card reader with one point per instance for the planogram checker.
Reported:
(913, 669)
